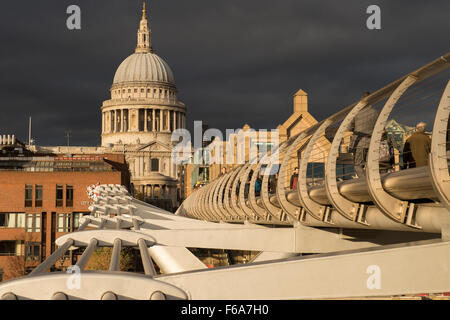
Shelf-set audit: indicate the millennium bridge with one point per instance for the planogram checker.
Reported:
(348, 229)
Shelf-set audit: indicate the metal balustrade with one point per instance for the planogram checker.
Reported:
(348, 220)
(332, 197)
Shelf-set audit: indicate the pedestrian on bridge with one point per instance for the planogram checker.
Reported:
(362, 126)
(294, 180)
(417, 148)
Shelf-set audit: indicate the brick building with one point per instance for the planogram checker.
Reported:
(43, 196)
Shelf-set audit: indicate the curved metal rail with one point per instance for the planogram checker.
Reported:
(403, 196)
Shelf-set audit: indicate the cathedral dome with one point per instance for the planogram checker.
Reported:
(144, 67)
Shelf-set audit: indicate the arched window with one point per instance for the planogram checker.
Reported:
(154, 165)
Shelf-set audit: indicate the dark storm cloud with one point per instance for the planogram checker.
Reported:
(234, 62)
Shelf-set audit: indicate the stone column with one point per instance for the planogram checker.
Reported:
(121, 121)
(115, 121)
(147, 165)
(168, 120)
(112, 122)
(145, 120)
(174, 119)
(161, 126)
(118, 129)
(153, 120)
(141, 166)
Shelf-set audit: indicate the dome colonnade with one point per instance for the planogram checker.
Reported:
(144, 97)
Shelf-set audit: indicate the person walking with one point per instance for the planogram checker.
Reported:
(273, 180)
(362, 126)
(417, 148)
(294, 180)
(258, 183)
(387, 158)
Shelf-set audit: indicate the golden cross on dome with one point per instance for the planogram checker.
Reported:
(144, 13)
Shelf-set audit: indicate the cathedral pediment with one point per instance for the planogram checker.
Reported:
(155, 146)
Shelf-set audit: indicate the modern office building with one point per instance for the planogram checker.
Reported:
(42, 197)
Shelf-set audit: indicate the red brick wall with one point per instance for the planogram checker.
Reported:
(12, 189)
(12, 199)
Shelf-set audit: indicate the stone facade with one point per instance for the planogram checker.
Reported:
(300, 120)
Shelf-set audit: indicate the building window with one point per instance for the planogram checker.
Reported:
(155, 165)
(33, 251)
(4, 219)
(63, 222)
(8, 248)
(28, 195)
(76, 218)
(59, 195)
(33, 222)
(38, 194)
(12, 220)
(69, 196)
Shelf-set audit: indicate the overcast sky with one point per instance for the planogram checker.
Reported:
(234, 61)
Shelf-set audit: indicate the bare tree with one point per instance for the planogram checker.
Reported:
(17, 265)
